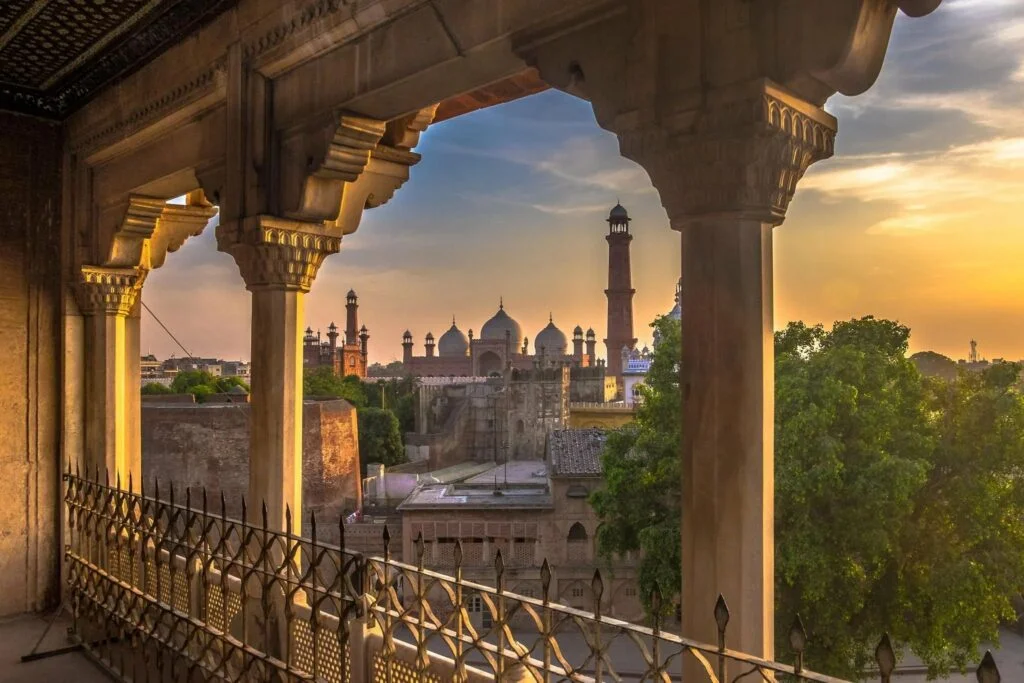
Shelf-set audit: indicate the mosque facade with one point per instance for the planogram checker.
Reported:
(501, 344)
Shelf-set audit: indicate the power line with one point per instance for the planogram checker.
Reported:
(169, 333)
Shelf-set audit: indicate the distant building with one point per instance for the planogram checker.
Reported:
(530, 510)
(345, 358)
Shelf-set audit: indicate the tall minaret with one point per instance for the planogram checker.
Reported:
(620, 292)
(351, 319)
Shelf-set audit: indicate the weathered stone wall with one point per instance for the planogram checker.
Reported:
(208, 445)
(30, 277)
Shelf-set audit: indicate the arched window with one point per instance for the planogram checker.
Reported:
(578, 549)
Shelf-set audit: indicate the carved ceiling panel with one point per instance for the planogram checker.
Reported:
(56, 54)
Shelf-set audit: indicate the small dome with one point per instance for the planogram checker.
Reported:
(500, 323)
(577, 332)
(351, 294)
(430, 336)
(551, 340)
(407, 335)
(332, 326)
(453, 342)
(618, 214)
(590, 333)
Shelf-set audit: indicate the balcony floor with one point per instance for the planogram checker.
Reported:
(17, 637)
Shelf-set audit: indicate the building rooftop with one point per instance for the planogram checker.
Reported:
(521, 484)
(576, 452)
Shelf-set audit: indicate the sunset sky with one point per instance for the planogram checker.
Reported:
(918, 217)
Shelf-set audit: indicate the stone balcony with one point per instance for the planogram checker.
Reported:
(176, 590)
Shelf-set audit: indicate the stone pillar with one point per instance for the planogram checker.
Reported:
(726, 173)
(278, 259)
(133, 389)
(106, 297)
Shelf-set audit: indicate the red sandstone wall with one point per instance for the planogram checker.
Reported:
(30, 254)
(208, 445)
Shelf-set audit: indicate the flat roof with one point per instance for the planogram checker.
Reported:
(519, 484)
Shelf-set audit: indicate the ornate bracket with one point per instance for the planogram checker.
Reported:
(317, 162)
(151, 228)
(388, 169)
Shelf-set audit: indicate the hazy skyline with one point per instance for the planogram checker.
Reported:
(918, 217)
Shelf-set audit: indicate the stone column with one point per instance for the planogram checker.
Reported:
(133, 389)
(278, 259)
(726, 173)
(106, 297)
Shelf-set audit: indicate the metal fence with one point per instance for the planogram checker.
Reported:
(173, 590)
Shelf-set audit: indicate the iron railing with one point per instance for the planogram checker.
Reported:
(169, 590)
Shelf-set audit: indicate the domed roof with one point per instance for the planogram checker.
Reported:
(590, 333)
(453, 342)
(550, 340)
(577, 331)
(618, 214)
(500, 323)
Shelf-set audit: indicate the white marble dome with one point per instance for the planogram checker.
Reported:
(453, 343)
(551, 340)
(500, 323)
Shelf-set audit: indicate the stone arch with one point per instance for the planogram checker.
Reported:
(488, 363)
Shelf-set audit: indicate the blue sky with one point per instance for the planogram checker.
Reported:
(918, 216)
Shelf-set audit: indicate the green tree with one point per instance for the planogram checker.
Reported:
(155, 388)
(379, 437)
(899, 498)
(933, 364)
(187, 379)
(397, 394)
(640, 502)
(323, 383)
(852, 441)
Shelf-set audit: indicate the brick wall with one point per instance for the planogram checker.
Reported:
(208, 445)
(30, 276)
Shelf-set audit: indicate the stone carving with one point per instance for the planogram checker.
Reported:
(151, 228)
(273, 253)
(197, 86)
(741, 156)
(109, 291)
(317, 168)
(296, 22)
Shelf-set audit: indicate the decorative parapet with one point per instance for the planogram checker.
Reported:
(109, 291)
(274, 253)
(138, 583)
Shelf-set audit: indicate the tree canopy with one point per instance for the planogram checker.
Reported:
(899, 500)
(379, 437)
(199, 383)
(323, 383)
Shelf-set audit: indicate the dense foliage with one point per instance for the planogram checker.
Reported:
(396, 395)
(323, 383)
(899, 498)
(199, 383)
(379, 438)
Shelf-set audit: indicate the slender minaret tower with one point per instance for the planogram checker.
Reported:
(351, 319)
(620, 292)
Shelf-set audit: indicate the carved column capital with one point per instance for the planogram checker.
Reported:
(109, 291)
(740, 154)
(276, 253)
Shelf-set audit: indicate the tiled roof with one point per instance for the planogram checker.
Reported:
(576, 452)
